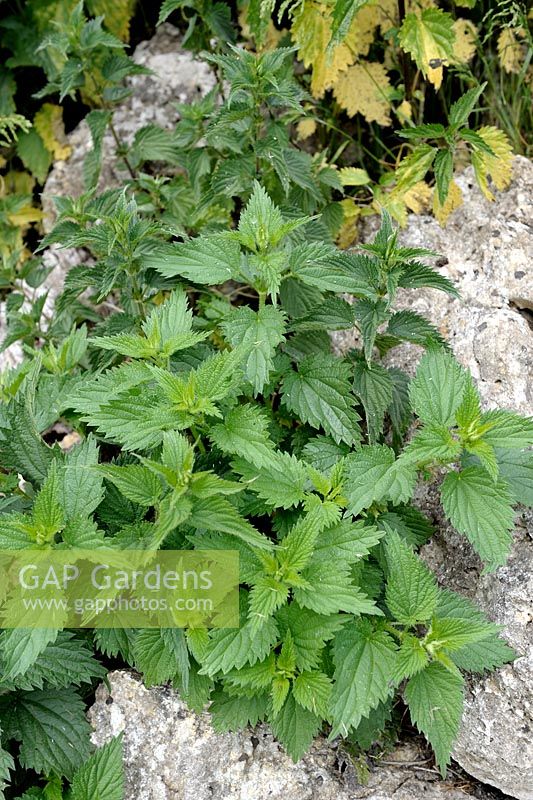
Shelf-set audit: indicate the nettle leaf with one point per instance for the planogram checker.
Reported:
(281, 481)
(412, 327)
(153, 657)
(411, 593)
(506, 429)
(137, 483)
(21, 647)
(259, 333)
(52, 729)
(482, 510)
(295, 727)
(373, 384)
(309, 631)
(370, 315)
(312, 691)
(321, 266)
(205, 260)
(516, 469)
(245, 433)
(218, 514)
(373, 474)
(319, 393)
(80, 489)
(102, 775)
(261, 224)
(435, 700)
(437, 390)
(232, 713)
(365, 662)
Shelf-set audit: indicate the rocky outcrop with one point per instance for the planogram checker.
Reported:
(172, 753)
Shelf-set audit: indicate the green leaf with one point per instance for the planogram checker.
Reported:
(280, 482)
(312, 691)
(261, 224)
(34, 155)
(329, 588)
(80, 488)
(484, 654)
(372, 474)
(218, 514)
(153, 657)
(482, 511)
(323, 267)
(21, 647)
(411, 593)
(413, 328)
(259, 333)
(418, 275)
(341, 19)
(52, 729)
(319, 393)
(63, 662)
(432, 443)
(232, 648)
(295, 727)
(412, 658)
(516, 469)
(437, 390)
(229, 713)
(102, 775)
(506, 429)
(205, 260)
(365, 662)
(373, 384)
(244, 433)
(137, 483)
(21, 447)
(463, 107)
(435, 700)
(333, 314)
(443, 169)
(370, 315)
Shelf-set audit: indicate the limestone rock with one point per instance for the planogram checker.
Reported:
(172, 753)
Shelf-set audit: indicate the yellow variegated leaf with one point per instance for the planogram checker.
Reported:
(25, 215)
(365, 89)
(429, 37)
(465, 40)
(48, 122)
(413, 168)
(305, 128)
(497, 166)
(17, 182)
(311, 32)
(417, 197)
(404, 110)
(348, 232)
(391, 202)
(117, 15)
(510, 50)
(353, 176)
(454, 199)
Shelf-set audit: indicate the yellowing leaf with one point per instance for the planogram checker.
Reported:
(498, 166)
(117, 15)
(417, 197)
(361, 33)
(305, 128)
(413, 168)
(25, 215)
(365, 89)
(352, 176)
(429, 37)
(311, 32)
(404, 110)
(48, 122)
(510, 51)
(17, 182)
(348, 232)
(465, 40)
(453, 200)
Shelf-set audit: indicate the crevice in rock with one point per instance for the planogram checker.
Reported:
(523, 308)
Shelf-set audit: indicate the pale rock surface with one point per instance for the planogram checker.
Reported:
(176, 78)
(172, 753)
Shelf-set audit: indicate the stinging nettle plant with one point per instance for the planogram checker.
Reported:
(213, 414)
